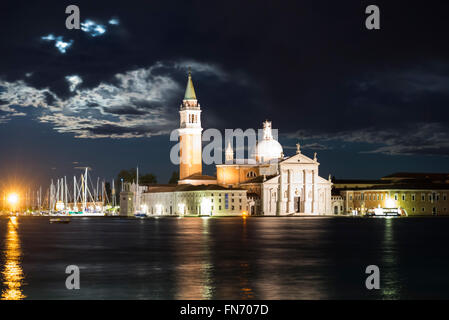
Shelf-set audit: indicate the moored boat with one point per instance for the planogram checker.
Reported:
(60, 220)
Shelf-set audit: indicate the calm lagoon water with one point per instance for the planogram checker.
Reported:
(225, 258)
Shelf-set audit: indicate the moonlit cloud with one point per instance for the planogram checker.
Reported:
(92, 28)
(114, 21)
(89, 26)
(74, 81)
(137, 103)
(60, 44)
(412, 139)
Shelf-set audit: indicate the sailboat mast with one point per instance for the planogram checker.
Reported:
(85, 190)
(136, 207)
(74, 193)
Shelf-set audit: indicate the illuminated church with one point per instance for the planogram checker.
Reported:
(272, 185)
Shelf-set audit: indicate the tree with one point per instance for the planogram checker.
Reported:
(147, 179)
(174, 177)
(127, 175)
(130, 176)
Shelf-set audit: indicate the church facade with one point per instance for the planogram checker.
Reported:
(269, 184)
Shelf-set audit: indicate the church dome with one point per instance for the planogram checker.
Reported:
(268, 148)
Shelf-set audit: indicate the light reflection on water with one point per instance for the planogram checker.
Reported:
(225, 258)
(13, 277)
(390, 283)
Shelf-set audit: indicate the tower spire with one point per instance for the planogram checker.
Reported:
(190, 91)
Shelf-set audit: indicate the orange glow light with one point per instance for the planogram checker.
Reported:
(13, 198)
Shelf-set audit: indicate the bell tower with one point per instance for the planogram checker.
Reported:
(190, 133)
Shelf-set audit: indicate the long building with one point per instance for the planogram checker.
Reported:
(414, 193)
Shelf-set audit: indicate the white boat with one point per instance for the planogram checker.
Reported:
(386, 212)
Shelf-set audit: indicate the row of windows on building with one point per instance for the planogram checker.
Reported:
(434, 210)
(190, 208)
(372, 197)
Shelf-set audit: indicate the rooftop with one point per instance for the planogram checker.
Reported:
(189, 187)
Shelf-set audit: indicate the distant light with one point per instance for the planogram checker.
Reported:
(206, 207)
(60, 206)
(389, 203)
(181, 208)
(13, 198)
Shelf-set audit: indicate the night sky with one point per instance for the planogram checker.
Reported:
(369, 102)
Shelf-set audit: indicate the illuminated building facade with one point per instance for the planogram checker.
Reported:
(415, 193)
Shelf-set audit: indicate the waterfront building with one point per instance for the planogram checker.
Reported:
(414, 193)
(270, 184)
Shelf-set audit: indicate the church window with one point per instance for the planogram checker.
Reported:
(423, 198)
(251, 174)
(232, 200)
(232, 207)
(219, 207)
(241, 208)
(240, 200)
(413, 209)
(350, 197)
(413, 197)
(430, 197)
(444, 197)
(422, 209)
(403, 197)
(219, 200)
(396, 197)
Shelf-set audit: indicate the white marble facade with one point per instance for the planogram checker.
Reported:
(296, 189)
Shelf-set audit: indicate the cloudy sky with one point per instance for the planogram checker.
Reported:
(107, 96)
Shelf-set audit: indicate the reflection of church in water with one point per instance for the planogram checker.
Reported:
(273, 185)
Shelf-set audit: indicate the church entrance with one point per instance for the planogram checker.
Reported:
(297, 202)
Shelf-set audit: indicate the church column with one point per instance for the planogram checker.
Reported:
(304, 191)
(290, 204)
(280, 195)
(308, 191)
(315, 195)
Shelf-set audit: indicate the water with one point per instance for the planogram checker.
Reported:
(225, 258)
